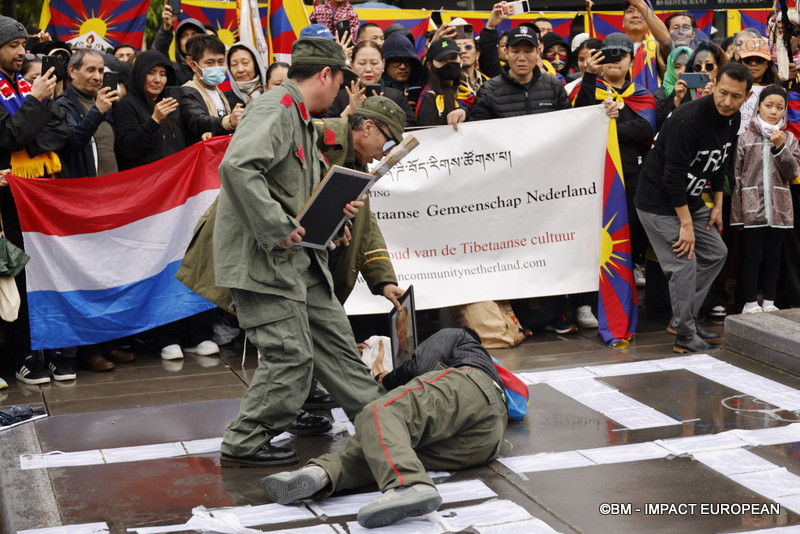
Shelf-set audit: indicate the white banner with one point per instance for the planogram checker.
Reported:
(500, 209)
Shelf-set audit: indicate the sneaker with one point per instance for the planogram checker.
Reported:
(770, 308)
(718, 311)
(585, 317)
(171, 352)
(638, 275)
(32, 370)
(288, 487)
(58, 366)
(3, 384)
(562, 326)
(206, 348)
(752, 309)
(398, 503)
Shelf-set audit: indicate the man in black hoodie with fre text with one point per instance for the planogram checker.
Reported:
(694, 147)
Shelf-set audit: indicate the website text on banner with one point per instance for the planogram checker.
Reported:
(500, 209)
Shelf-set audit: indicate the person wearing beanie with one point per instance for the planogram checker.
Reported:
(283, 292)
(767, 161)
(32, 127)
(558, 54)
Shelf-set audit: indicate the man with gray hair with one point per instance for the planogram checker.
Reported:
(87, 104)
(90, 152)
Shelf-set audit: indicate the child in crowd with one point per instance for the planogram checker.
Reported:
(767, 159)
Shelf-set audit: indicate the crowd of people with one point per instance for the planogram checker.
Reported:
(158, 106)
(707, 160)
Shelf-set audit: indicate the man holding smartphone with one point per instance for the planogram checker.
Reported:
(89, 151)
(31, 123)
(87, 104)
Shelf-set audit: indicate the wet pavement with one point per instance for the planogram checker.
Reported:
(611, 440)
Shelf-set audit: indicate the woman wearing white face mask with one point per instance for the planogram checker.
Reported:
(369, 65)
(246, 72)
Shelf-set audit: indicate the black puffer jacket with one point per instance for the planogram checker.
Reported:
(503, 96)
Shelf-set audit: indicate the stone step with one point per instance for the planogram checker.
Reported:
(772, 338)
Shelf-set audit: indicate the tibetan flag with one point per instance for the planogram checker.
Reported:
(605, 22)
(116, 21)
(793, 113)
(644, 69)
(755, 18)
(286, 19)
(417, 21)
(104, 250)
(618, 311)
(220, 15)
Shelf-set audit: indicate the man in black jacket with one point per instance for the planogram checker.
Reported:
(521, 88)
(204, 108)
(87, 104)
(90, 152)
(694, 147)
(399, 436)
(31, 125)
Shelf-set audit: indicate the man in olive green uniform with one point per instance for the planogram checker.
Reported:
(283, 292)
(445, 410)
(375, 127)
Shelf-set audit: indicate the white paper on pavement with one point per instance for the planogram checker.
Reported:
(733, 461)
(545, 461)
(633, 452)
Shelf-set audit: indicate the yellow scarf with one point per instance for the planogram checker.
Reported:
(43, 165)
(610, 92)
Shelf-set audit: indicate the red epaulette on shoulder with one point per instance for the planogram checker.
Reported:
(330, 137)
(287, 100)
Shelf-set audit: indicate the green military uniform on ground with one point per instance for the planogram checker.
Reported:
(367, 252)
(284, 296)
(446, 419)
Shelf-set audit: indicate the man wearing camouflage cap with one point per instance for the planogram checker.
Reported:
(373, 129)
(283, 292)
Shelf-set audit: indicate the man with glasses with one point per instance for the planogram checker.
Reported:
(283, 292)
(369, 133)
